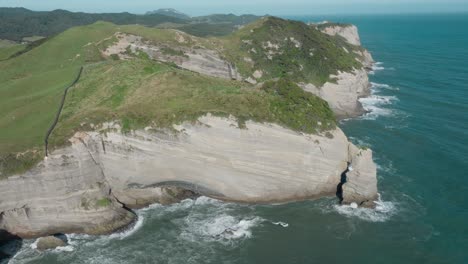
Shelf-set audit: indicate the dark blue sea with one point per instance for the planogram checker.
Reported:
(418, 130)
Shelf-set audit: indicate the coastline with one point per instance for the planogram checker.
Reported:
(117, 216)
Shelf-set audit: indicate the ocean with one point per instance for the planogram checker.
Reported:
(418, 130)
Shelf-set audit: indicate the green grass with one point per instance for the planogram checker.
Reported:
(7, 51)
(104, 202)
(140, 92)
(136, 97)
(173, 52)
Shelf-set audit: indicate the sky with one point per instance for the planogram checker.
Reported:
(259, 7)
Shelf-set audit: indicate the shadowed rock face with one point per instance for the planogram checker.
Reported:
(343, 94)
(86, 187)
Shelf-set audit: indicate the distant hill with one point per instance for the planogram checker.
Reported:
(18, 23)
(226, 18)
(169, 12)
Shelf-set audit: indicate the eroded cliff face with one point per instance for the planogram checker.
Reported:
(348, 32)
(86, 187)
(343, 93)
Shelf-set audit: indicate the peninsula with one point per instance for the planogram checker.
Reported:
(160, 113)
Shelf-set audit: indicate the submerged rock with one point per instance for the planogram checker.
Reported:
(50, 242)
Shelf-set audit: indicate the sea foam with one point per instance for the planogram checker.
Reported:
(383, 211)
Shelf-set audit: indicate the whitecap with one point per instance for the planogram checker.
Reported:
(283, 224)
(34, 244)
(68, 248)
(376, 86)
(378, 67)
(383, 211)
(373, 105)
(220, 227)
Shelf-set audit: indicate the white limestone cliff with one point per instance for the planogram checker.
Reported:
(86, 187)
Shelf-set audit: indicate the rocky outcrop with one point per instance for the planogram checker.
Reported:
(196, 59)
(345, 88)
(361, 174)
(86, 187)
(343, 93)
(348, 32)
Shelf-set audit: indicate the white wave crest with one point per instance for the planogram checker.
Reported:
(34, 244)
(382, 212)
(378, 66)
(377, 86)
(373, 105)
(68, 248)
(126, 233)
(283, 224)
(220, 227)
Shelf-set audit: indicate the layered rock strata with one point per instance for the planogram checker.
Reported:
(88, 186)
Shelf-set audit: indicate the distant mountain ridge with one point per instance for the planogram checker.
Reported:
(169, 12)
(17, 23)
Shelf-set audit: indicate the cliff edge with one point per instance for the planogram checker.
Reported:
(88, 186)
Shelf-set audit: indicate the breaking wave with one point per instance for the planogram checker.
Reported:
(383, 211)
(377, 67)
(374, 106)
(377, 86)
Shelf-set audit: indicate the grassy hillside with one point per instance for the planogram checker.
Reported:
(141, 92)
(8, 49)
(283, 48)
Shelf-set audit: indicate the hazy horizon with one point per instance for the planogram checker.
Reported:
(259, 7)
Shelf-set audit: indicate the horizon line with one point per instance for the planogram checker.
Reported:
(257, 14)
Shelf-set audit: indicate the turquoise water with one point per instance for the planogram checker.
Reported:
(418, 131)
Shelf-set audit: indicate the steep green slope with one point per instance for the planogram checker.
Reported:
(136, 93)
(281, 48)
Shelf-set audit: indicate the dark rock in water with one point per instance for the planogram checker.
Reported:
(50, 242)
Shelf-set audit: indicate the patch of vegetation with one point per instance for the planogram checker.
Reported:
(114, 57)
(322, 26)
(104, 202)
(173, 52)
(299, 110)
(19, 163)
